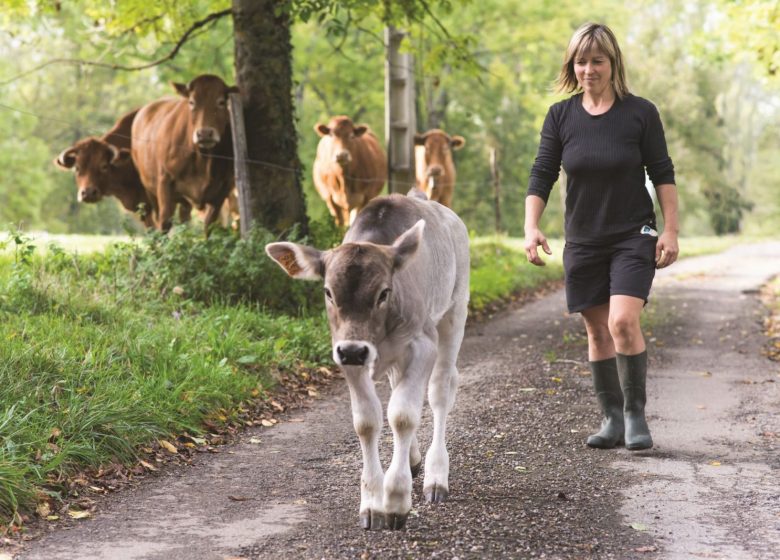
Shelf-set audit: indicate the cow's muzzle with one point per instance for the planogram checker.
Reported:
(352, 353)
(89, 194)
(343, 157)
(206, 138)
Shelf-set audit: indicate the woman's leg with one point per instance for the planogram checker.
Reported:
(603, 366)
(631, 360)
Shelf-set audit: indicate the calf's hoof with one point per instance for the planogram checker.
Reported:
(436, 494)
(395, 521)
(416, 469)
(371, 519)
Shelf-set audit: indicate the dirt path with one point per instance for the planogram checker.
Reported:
(523, 484)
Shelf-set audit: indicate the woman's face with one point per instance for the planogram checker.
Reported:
(593, 71)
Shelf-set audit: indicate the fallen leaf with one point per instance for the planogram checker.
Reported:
(715, 463)
(703, 374)
(238, 498)
(650, 548)
(300, 502)
(639, 527)
(148, 465)
(520, 468)
(168, 446)
(43, 509)
(526, 389)
(266, 423)
(52, 517)
(79, 514)
(277, 406)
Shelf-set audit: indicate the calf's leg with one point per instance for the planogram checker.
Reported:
(367, 420)
(441, 396)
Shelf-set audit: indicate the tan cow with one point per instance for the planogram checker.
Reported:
(350, 168)
(182, 147)
(434, 168)
(103, 167)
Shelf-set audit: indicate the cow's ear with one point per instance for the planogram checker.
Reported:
(181, 89)
(457, 142)
(66, 160)
(405, 247)
(360, 129)
(419, 139)
(321, 129)
(121, 157)
(299, 261)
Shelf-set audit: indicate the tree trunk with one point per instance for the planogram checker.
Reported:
(263, 58)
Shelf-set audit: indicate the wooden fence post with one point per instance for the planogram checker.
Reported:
(494, 173)
(240, 163)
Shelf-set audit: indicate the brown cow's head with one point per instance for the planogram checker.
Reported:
(435, 147)
(343, 132)
(359, 288)
(96, 164)
(207, 96)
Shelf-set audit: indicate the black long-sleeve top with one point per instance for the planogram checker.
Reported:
(604, 157)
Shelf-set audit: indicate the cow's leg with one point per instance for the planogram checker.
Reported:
(212, 212)
(415, 457)
(367, 420)
(166, 203)
(441, 396)
(403, 414)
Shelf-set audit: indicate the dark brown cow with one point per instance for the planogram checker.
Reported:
(182, 147)
(350, 168)
(435, 170)
(103, 167)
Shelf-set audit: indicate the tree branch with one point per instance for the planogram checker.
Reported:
(170, 56)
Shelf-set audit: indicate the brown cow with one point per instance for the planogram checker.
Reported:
(434, 168)
(182, 147)
(103, 167)
(350, 168)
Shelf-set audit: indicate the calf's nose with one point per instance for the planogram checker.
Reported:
(352, 354)
(435, 171)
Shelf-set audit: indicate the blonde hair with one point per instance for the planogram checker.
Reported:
(587, 37)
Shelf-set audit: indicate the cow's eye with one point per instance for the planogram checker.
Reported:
(76, 168)
(192, 103)
(328, 294)
(104, 168)
(383, 295)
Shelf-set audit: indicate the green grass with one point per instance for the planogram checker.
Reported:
(104, 351)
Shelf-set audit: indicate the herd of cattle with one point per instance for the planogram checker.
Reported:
(178, 151)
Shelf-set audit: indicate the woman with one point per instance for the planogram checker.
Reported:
(606, 138)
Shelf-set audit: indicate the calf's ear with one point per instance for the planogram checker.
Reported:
(419, 139)
(405, 247)
(321, 129)
(457, 142)
(360, 130)
(299, 261)
(66, 160)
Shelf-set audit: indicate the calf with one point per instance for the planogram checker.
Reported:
(350, 168)
(397, 302)
(434, 168)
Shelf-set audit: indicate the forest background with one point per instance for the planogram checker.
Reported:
(711, 67)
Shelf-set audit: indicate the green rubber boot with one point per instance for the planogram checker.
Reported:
(633, 375)
(607, 386)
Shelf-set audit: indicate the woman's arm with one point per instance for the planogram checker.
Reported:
(667, 250)
(534, 207)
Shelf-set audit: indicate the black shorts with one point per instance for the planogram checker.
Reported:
(593, 273)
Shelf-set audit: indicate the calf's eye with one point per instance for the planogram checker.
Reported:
(327, 293)
(384, 294)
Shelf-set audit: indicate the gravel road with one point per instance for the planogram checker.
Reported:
(523, 484)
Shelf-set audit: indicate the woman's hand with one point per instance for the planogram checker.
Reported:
(533, 239)
(666, 249)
